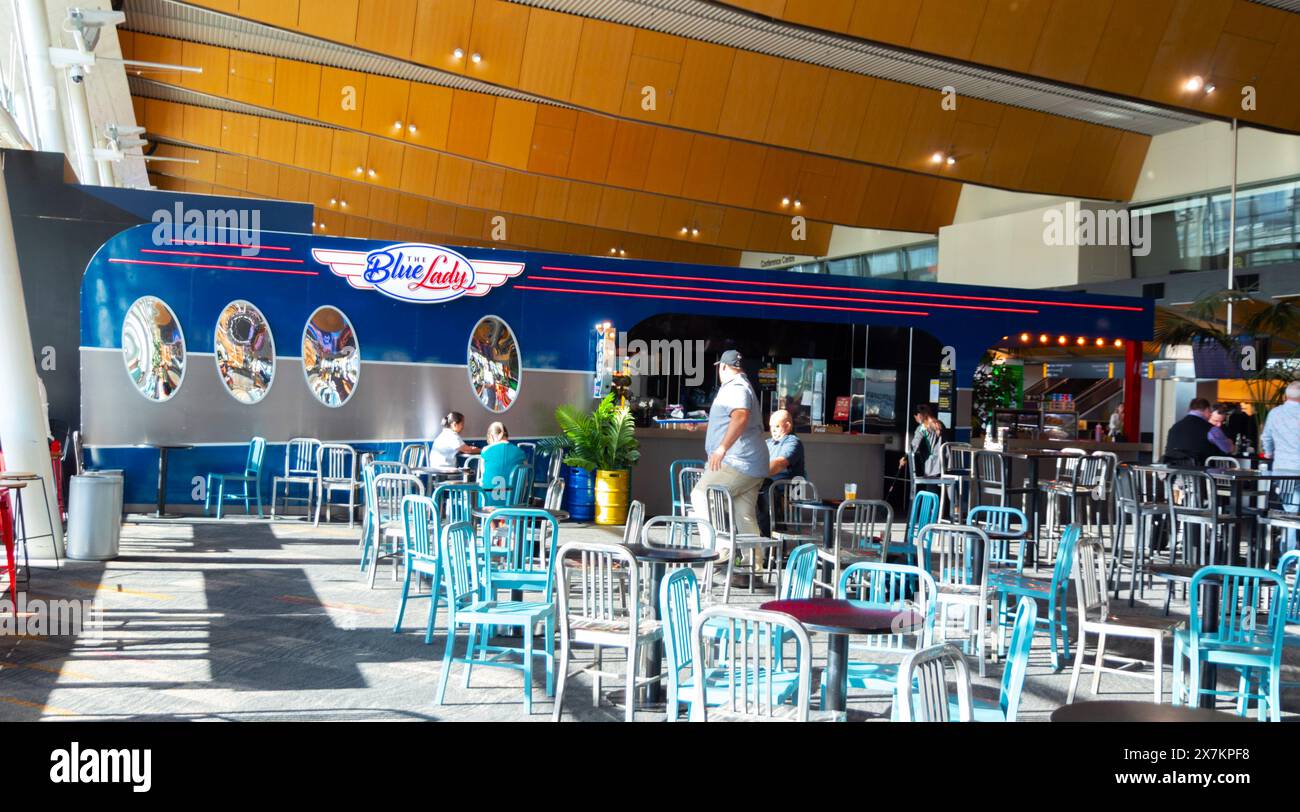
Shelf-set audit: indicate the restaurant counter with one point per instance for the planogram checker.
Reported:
(830, 459)
(1127, 452)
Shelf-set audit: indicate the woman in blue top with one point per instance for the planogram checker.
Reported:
(499, 458)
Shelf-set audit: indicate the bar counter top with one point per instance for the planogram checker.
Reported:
(654, 432)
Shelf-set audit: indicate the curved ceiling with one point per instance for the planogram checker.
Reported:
(582, 118)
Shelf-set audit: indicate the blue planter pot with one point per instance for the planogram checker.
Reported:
(580, 494)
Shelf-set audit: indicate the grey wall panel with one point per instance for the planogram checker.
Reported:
(391, 402)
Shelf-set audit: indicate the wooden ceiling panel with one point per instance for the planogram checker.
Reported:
(354, 198)
(148, 48)
(881, 138)
(885, 20)
(647, 213)
(386, 26)
(1009, 33)
(1239, 58)
(321, 189)
(232, 170)
(615, 208)
(550, 54)
(700, 91)
(552, 199)
(297, 88)
(948, 26)
(239, 133)
(593, 140)
(470, 133)
(281, 13)
(551, 149)
(419, 171)
(844, 106)
(778, 178)
(705, 168)
(215, 63)
(383, 203)
(295, 184)
(1125, 166)
(1057, 139)
(384, 162)
(386, 104)
(627, 158)
(348, 157)
(943, 205)
(741, 174)
(650, 89)
(342, 93)
(604, 51)
(1128, 45)
(440, 27)
(334, 20)
(832, 14)
(454, 175)
(442, 218)
(498, 34)
(930, 130)
(976, 143)
(914, 199)
(263, 178)
(881, 197)
(512, 133)
(412, 212)
(201, 125)
(666, 164)
(519, 192)
(277, 140)
(1187, 47)
(795, 105)
(428, 107)
(1093, 157)
(1010, 154)
(1070, 39)
(583, 203)
(252, 78)
(750, 92)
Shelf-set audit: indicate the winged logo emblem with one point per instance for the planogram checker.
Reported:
(417, 272)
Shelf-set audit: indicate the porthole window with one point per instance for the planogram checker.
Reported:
(153, 347)
(331, 359)
(245, 352)
(494, 368)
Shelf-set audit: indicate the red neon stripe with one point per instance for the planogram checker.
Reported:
(218, 256)
(229, 245)
(724, 301)
(784, 295)
(848, 289)
(215, 267)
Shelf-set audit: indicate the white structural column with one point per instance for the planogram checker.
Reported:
(34, 28)
(79, 109)
(22, 418)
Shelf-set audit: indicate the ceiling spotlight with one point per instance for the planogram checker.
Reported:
(695, 232)
(1081, 341)
(1101, 342)
(458, 54)
(410, 128)
(622, 253)
(1193, 84)
(1060, 339)
(370, 172)
(359, 170)
(397, 125)
(1042, 339)
(798, 203)
(1119, 342)
(475, 58)
(613, 250)
(1024, 338)
(951, 160)
(333, 201)
(343, 203)
(684, 230)
(1209, 88)
(785, 201)
(937, 158)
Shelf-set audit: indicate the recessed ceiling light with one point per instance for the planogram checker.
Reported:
(371, 173)
(1209, 88)
(410, 128)
(458, 54)
(798, 203)
(695, 232)
(475, 58)
(951, 160)
(1193, 84)
(785, 201)
(937, 158)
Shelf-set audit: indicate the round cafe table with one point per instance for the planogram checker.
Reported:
(1111, 710)
(659, 558)
(839, 619)
(163, 448)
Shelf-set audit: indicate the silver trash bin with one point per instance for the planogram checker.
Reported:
(94, 516)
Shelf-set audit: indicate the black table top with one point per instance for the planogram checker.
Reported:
(1250, 473)
(672, 555)
(839, 616)
(1126, 711)
(806, 505)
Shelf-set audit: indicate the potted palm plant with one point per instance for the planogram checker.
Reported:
(599, 449)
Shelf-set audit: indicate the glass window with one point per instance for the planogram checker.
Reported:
(331, 359)
(153, 347)
(245, 352)
(923, 262)
(494, 367)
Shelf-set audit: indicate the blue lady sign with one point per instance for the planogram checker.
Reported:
(418, 272)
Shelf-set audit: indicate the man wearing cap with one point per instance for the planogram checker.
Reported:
(738, 459)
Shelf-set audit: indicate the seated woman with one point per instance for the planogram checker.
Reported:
(448, 442)
(499, 458)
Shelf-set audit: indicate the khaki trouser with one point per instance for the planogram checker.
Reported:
(744, 500)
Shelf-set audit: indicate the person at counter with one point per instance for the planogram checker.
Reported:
(784, 461)
(738, 460)
(926, 441)
(1188, 441)
(1281, 445)
(1218, 419)
(1115, 430)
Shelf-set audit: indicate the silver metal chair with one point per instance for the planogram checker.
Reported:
(751, 682)
(588, 577)
(1095, 617)
(1141, 501)
(949, 552)
(923, 694)
(299, 469)
(722, 516)
(863, 529)
(687, 479)
(336, 470)
(387, 527)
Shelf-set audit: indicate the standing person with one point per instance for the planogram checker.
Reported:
(500, 457)
(784, 461)
(738, 459)
(1218, 419)
(1188, 441)
(924, 448)
(448, 443)
(1116, 428)
(1281, 446)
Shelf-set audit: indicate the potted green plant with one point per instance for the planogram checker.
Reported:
(599, 449)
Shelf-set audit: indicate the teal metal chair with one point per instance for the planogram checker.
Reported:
(250, 478)
(681, 501)
(893, 587)
(800, 567)
(420, 518)
(1249, 637)
(1014, 668)
(1054, 591)
(524, 544)
(468, 577)
(924, 511)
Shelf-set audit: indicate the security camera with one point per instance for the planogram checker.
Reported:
(94, 16)
(77, 74)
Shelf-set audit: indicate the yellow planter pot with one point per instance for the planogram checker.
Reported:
(611, 496)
